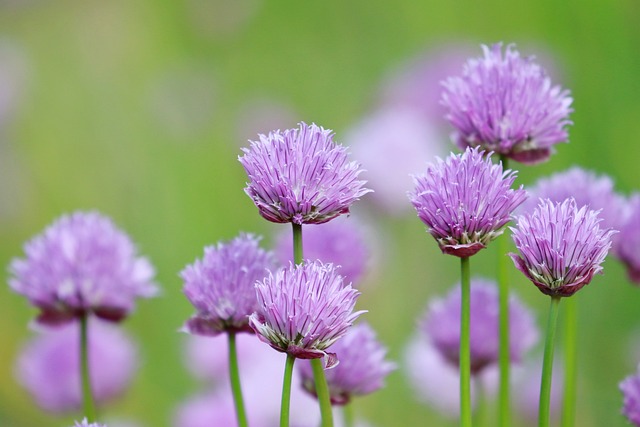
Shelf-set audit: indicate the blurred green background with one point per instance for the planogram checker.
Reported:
(138, 108)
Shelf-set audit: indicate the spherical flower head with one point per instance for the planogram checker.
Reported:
(465, 201)
(362, 367)
(49, 365)
(301, 176)
(340, 242)
(221, 285)
(630, 388)
(507, 104)
(441, 326)
(82, 264)
(627, 247)
(85, 423)
(303, 309)
(561, 246)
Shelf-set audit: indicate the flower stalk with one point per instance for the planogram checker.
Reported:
(465, 346)
(547, 364)
(234, 376)
(88, 404)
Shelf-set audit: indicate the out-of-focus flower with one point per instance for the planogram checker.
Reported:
(392, 144)
(441, 326)
(630, 388)
(507, 104)
(627, 247)
(221, 285)
(82, 264)
(340, 242)
(208, 410)
(49, 365)
(362, 368)
(561, 246)
(301, 176)
(465, 201)
(85, 423)
(303, 309)
(526, 380)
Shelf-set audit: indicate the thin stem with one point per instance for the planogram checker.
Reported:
(286, 391)
(481, 401)
(234, 376)
(322, 390)
(547, 364)
(347, 414)
(504, 359)
(465, 349)
(297, 244)
(88, 404)
(570, 361)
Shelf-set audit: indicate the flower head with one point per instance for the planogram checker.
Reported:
(561, 247)
(465, 201)
(507, 104)
(221, 285)
(82, 264)
(303, 309)
(441, 326)
(627, 247)
(49, 365)
(362, 367)
(340, 242)
(86, 423)
(301, 176)
(630, 388)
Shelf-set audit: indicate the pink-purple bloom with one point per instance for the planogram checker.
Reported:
(303, 309)
(301, 176)
(82, 264)
(466, 201)
(362, 368)
(561, 246)
(49, 365)
(85, 423)
(630, 388)
(441, 326)
(221, 285)
(340, 242)
(507, 104)
(627, 247)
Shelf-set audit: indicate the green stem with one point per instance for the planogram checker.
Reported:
(570, 361)
(479, 412)
(347, 413)
(234, 376)
(286, 391)
(88, 404)
(547, 364)
(504, 356)
(297, 244)
(465, 349)
(322, 390)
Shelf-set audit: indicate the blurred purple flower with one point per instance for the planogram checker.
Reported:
(49, 367)
(82, 264)
(208, 410)
(301, 176)
(392, 144)
(627, 246)
(221, 285)
(362, 368)
(303, 309)
(85, 423)
(630, 388)
(339, 242)
(507, 104)
(561, 247)
(465, 201)
(441, 326)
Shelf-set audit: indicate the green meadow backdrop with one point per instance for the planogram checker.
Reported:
(138, 108)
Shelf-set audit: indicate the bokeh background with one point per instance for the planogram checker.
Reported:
(138, 109)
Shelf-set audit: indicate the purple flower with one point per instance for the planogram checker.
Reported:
(362, 367)
(221, 285)
(303, 309)
(82, 264)
(465, 201)
(630, 388)
(339, 242)
(85, 423)
(627, 247)
(507, 104)
(561, 247)
(49, 366)
(301, 176)
(441, 325)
